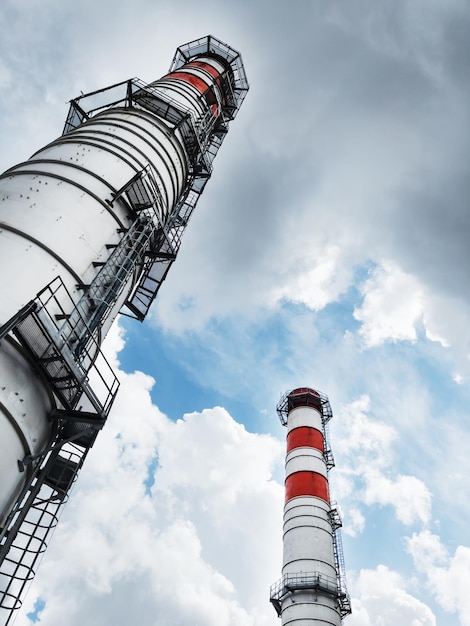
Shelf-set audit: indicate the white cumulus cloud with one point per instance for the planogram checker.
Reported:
(198, 545)
(380, 599)
(408, 495)
(392, 305)
(367, 473)
(448, 577)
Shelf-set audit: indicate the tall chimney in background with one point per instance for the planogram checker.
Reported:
(312, 588)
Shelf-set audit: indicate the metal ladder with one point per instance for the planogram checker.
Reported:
(343, 596)
(83, 411)
(33, 520)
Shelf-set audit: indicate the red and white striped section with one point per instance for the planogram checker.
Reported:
(202, 77)
(305, 463)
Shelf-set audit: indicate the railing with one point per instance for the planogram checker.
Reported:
(305, 396)
(302, 581)
(160, 247)
(236, 88)
(86, 378)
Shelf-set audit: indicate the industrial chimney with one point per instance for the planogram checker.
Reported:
(89, 227)
(312, 588)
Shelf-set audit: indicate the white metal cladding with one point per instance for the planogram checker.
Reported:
(183, 94)
(25, 427)
(56, 222)
(305, 510)
(60, 198)
(303, 505)
(308, 543)
(317, 552)
(298, 611)
(304, 416)
(305, 460)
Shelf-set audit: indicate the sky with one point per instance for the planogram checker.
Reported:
(329, 249)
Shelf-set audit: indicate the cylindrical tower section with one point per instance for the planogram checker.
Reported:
(89, 227)
(201, 77)
(55, 211)
(92, 222)
(56, 220)
(308, 592)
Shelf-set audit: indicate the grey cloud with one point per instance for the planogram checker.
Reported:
(354, 130)
(432, 230)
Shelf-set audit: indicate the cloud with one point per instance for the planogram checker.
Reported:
(427, 550)
(317, 281)
(392, 306)
(351, 149)
(396, 305)
(197, 532)
(355, 522)
(362, 437)
(358, 174)
(380, 599)
(367, 472)
(366, 165)
(408, 495)
(448, 578)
